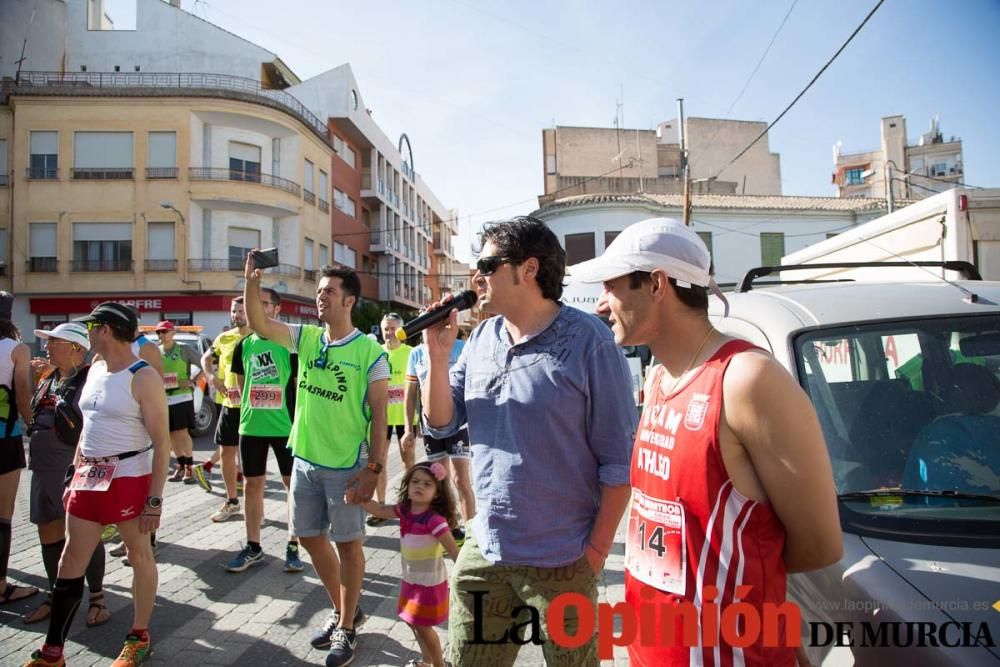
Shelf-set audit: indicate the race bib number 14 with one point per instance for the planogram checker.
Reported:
(655, 550)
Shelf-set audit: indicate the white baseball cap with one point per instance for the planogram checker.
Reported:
(74, 332)
(657, 243)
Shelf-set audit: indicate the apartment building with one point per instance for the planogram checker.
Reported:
(912, 171)
(135, 167)
(598, 160)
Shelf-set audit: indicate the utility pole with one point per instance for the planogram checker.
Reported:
(889, 201)
(685, 173)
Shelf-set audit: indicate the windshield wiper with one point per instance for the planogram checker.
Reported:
(876, 493)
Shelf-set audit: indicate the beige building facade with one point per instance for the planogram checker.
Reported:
(932, 165)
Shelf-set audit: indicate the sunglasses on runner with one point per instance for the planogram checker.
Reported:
(487, 266)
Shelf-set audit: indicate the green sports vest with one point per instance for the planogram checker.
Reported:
(396, 412)
(267, 368)
(175, 367)
(332, 416)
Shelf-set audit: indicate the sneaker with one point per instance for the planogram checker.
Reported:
(292, 561)
(322, 638)
(189, 475)
(37, 660)
(203, 477)
(459, 534)
(118, 551)
(109, 533)
(177, 475)
(156, 550)
(134, 653)
(244, 559)
(374, 521)
(341, 648)
(226, 512)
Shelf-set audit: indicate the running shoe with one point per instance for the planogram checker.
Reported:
(203, 477)
(189, 475)
(177, 475)
(292, 561)
(226, 512)
(156, 550)
(323, 637)
(109, 533)
(118, 551)
(37, 660)
(134, 653)
(342, 646)
(244, 559)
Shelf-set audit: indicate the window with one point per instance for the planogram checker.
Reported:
(3, 164)
(706, 238)
(343, 203)
(276, 156)
(550, 164)
(42, 247)
(102, 155)
(241, 242)
(939, 169)
(345, 255)
(579, 247)
(324, 255)
(324, 189)
(160, 253)
(102, 246)
(348, 155)
(307, 179)
(853, 176)
(244, 162)
(772, 248)
(308, 261)
(162, 159)
(354, 99)
(609, 238)
(44, 162)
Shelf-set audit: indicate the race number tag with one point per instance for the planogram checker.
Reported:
(655, 551)
(267, 397)
(395, 395)
(233, 394)
(170, 381)
(93, 477)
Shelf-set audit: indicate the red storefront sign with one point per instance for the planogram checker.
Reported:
(155, 304)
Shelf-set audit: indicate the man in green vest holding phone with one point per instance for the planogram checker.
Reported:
(342, 395)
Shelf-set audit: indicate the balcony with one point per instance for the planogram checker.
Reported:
(156, 173)
(222, 174)
(324, 205)
(309, 274)
(217, 265)
(161, 265)
(102, 265)
(43, 265)
(118, 174)
(288, 270)
(41, 174)
(309, 196)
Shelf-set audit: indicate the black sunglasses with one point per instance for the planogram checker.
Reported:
(487, 266)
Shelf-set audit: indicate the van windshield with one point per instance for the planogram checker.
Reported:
(911, 414)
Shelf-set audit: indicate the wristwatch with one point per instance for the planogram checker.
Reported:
(154, 502)
(375, 468)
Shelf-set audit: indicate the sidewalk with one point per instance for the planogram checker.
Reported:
(205, 615)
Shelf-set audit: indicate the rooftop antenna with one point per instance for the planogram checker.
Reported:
(24, 44)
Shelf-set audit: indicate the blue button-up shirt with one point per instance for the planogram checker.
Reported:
(551, 419)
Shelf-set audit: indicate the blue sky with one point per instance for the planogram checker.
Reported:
(473, 83)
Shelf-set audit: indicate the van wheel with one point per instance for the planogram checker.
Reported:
(204, 419)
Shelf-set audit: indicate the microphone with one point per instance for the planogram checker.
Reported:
(463, 301)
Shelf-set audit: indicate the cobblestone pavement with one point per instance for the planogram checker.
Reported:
(205, 615)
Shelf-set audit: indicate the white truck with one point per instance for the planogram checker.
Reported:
(961, 224)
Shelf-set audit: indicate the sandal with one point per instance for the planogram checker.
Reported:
(102, 616)
(36, 615)
(10, 593)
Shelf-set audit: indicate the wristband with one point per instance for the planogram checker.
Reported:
(590, 544)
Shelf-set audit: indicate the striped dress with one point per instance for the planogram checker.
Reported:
(423, 593)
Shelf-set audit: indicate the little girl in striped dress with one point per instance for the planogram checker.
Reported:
(426, 513)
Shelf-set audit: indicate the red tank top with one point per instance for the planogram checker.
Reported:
(690, 531)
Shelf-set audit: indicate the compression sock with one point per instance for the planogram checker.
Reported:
(50, 559)
(66, 595)
(95, 570)
(4, 547)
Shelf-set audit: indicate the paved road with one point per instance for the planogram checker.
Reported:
(205, 615)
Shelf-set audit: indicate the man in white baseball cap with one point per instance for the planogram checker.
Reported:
(74, 332)
(729, 457)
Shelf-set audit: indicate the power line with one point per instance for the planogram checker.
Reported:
(749, 78)
(808, 86)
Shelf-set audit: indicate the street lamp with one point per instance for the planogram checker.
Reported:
(184, 272)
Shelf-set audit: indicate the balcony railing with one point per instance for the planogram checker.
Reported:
(43, 265)
(309, 274)
(119, 174)
(222, 174)
(161, 265)
(288, 270)
(216, 265)
(40, 174)
(309, 196)
(176, 83)
(101, 265)
(324, 205)
(161, 172)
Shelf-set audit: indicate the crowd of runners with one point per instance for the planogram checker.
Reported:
(531, 439)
